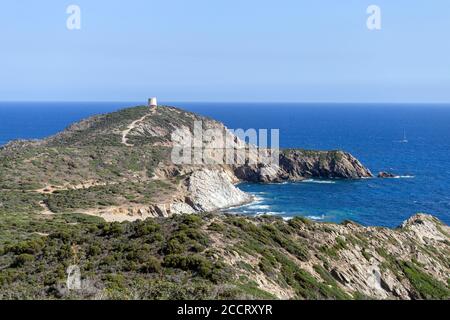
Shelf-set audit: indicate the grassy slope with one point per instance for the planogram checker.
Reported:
(174, 258)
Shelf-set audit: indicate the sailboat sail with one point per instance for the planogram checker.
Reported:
(405, 140)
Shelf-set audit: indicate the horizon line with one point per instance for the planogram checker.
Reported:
(231, 102)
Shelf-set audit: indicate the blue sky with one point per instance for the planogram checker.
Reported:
(225, 50)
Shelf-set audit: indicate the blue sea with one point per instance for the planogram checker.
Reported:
(371, 132)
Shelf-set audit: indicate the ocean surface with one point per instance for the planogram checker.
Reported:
(371, 132)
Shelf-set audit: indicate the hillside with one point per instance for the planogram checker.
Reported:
(215, 256)
(104, 195)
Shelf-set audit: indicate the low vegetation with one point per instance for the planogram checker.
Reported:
(173, 258)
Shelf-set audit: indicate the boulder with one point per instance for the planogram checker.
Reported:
(386, 175)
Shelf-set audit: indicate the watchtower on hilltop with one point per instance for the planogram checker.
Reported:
(152, 103)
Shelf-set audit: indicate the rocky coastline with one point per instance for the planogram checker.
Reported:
(195, 188)
(105, 193)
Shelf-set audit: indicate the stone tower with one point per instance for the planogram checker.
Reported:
(152, 103)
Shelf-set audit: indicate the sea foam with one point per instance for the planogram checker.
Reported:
(319, 181)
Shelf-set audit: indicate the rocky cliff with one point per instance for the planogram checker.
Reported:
(297, 165)
(341, 261)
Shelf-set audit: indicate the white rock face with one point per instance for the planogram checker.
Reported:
(270, 172)
(181, 207)
(424, 227)
(212, 189)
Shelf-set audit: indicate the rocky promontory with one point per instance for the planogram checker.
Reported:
(119, 166)
(297, 165)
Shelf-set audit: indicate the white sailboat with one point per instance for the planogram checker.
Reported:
(405, 140)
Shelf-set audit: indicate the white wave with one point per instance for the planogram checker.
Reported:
(319, 181)
(256, 201)
(275, 213)
(404, 177)
(259, 207)
(316, 217)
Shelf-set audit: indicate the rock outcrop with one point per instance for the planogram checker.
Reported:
(410, 262)
(210, 190)
(296, 165)
(386, 175)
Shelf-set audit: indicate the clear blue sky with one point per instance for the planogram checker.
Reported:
(225, 50)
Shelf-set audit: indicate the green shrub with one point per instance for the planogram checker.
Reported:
(6, 277)
(191, 220)
(145, 228)
(173, 246)
(62, 235)
(192, 263)
(196, 263)
(366, 255)
(94, 250)
(152, 265)
(113, 229)
(31, 246)
(217, 227)
(299, 221)
(116, 281)
(309, 288)
(426, 286)
(266, 266)
(22, 259)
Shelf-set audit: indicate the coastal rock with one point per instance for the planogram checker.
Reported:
(296, 165)
(181, 207)
(260, 173)
(209, 190)
(322, 164)
(425, 228)
(409, 262)
(385, 175)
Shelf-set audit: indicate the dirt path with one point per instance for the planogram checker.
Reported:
(84, 185)
(132, 126)
(46, 209)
